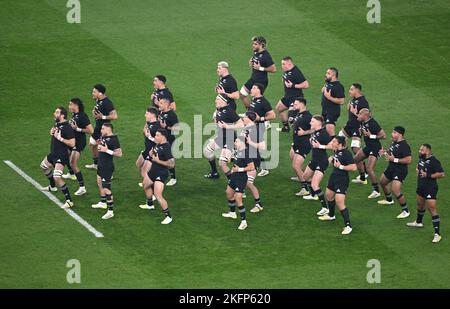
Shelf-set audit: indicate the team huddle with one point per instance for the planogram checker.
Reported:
(239, 143)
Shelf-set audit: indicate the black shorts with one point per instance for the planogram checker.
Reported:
(57, 158)
(145, 155)
(97, 133)
(158, 176)
(371, 151)
(79, 145)
(105, 173)
(318, 166)
(238, 182)
(338, 184)
(429, 193)
(249, 84)
(287, 101)
(232, 104)
(393, 173)
(351, 130)
(330, 117)
(302, 149)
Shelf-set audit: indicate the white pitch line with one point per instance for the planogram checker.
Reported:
(55, 200)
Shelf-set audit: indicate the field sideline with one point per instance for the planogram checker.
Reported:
(402, 63)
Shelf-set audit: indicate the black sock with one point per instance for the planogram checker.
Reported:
(308, 187)
(213, 166)
(167, 212)
(304, 185)
(321, 197)
(172, 173)
(420, 214)
(95, 159)
(80, 178)
(286, 124)
(228, 174)
(149, 201)
(362, 176)
(232, 205)
(331, 207)
(404, 207)
(71, 172)
(365, 168)
(388, 197)
(109, 201)
(258, 202)
(242, 212)
(346, 215)
(436, 220)
(50, 179)
(66, 192)
(103, 198)
(376, 188)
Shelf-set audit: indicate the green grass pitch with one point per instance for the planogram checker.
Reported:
(402, 63)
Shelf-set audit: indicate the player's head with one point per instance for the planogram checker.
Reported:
(151, 114)
(159, 81)
(239, 143)
(161, 136)
(76, 105)
(397, 133)
(249, 118)
(287, 63)
(355, 90)
(98, 91)
(338, 143)
(163, 104)
(258, 43)
(317, 122)
(257, 90)
(221, 101)
(107, 129)
(332, 74)
(299, 104)
(364, 115)
(222, 68)
(60, 114)
(424, 151)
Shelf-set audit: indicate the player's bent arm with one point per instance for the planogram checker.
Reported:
(406, 160)
(338, 101)
(249, 167)
(89, 129)
(237, 125)
(270, 115)
(437, 175)
(350, 167)
(271, 69)
(233, 95)
(169, 163)
(260, 146)
(304, 85)
(173, 128)
(117, 152)
(112, 115)
(68, 142)
(381, 134)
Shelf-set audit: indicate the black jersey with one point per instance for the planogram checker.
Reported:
(260, 106)
(295, 76)
(374, 128)
(229, 85)
(265, 60)
(104, 106)
(322, 137)
(164, 153)
(337, 91)
(301, 121)
(256, 135)
(225, 137)
(152, 128)
(399, 150)
(242, 159)
(58, 148)
(159, 94)
(105, 160)
(170, 118)
(82, 121)
(430, 165)
(346, 158)
(359, 103)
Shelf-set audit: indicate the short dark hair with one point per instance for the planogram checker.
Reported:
(301, 100)
(399, 129)
(79, 103)
(357, 86)
(319, 118)
(163, 132)
(100, 88)
(341, 140)
(259, 86)
(287, 58)
(427, 146)
(260, 40)
(152, 110)
(161, 78)
(62, 111)
(336, 72)
(108, 125)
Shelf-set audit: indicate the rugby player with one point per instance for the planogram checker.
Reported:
(227, 85)
(168, 120)
(333, 96)
(161, 92)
